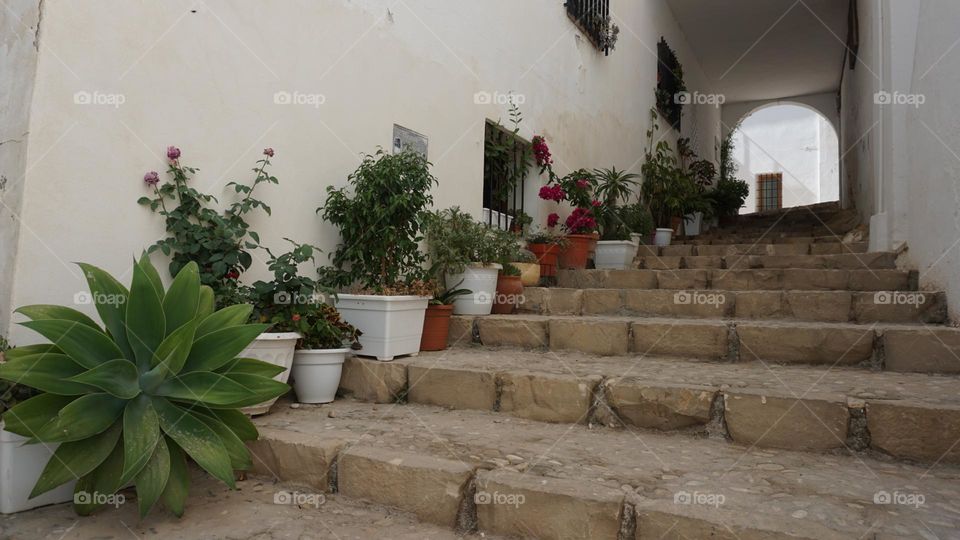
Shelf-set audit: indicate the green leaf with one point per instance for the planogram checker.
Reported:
(239, 455)
(251, 366)
(217, 348)
(47, 372)
(145, 320)
(262, 389)
(172, 353)
(196, 439)
(229, 316)
(110, 298)
(141, 431)
(150, 271)
(153, 478)
(73, 460)
(44, 311)
(178, 485)
(117, 377)
(203, 387)
(238, 422)
(82, 418)
(28, 417)
(106, 479)
(86, 346)
(206, 304)
(181, 301)
(27, 350)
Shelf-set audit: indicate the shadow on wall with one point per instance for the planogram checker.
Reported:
(794, 142)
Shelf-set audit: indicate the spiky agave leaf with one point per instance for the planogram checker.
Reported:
(129, 401)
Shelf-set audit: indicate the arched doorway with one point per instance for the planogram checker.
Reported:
(789, 155)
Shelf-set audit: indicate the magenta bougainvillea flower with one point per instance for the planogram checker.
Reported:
(552, 220)
(583, 183)
(541, 151)
(151, 178)
(268, 152)
(552, 193)
(173, 153)
(580, 221)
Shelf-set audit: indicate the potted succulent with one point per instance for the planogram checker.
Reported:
(615, 250)
(466, 254)
(545, 245)
(318, 362)
(436, 324)
(131, 398)
(21, 464)
(529, 268)
(378, 262)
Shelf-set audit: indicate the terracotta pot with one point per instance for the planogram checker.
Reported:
(509, 294)
(529, 273)
(575, 254)
(675, 224)
(436, 328)
(546, 255)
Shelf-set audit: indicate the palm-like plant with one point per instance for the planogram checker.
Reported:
(130, 401)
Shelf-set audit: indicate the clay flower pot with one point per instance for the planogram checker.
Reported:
(509, 295)
(436, 328)
(546, 255)
(577, 251)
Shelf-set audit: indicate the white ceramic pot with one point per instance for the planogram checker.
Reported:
(693, 224)
(316, 374)
(482, 281)
(662, 237)
(20, 467)
(277, 349)
(615, 254)
(391, 325)
(636, 238)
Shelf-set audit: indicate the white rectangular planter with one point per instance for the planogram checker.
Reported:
(275, 348)
(391, 325)
(615, 254)
(20, 467)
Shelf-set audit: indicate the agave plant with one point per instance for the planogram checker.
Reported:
(129, 402)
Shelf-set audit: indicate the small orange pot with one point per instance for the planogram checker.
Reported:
(574, 256)
(509, 294)
(436, 328)
(546, 255)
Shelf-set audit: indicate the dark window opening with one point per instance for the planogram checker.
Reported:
(670, 85)
(593, 18)
(505, 164)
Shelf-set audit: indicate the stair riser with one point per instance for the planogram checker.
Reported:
(872, 261)
(752, 417)
(741, 280)
(733, 250)
(828, 345)
(816, 306)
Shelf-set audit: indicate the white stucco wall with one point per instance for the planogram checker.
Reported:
(795, 141)
(205, 81)
(19, 20)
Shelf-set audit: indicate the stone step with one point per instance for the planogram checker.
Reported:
(826, 306)
(501, 475)
(881, 260)
(761, 238)
(903, 348)
(726, 250)
(907, 416)
(769, 279)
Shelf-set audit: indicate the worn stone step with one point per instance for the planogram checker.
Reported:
(875, 346)
(881, 260)
(827, 306)
(740, 402)
(518, 477)
(764, 279)
(794, 249)
(761, 238)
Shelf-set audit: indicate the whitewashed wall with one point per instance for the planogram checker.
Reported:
(795, 141)
(205, 80)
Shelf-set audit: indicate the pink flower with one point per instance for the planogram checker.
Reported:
(583, 183)
(552, 193)
(233, 274)
(268, 152)
(595, 203)
(552, 220)
(173, 153)
(295, 317)
(541, 151)
(580, 221)
(151, 178)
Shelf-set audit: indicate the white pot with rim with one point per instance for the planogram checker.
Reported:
(615, 254)
(391, 325)
(481, 280)
(276, 348)
(316, 374)
(20, 468)
(662, 237)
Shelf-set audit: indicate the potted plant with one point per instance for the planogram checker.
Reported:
(615, 250)
(545, 245)
(378, 260)
(20, 463)
(509, 290)
(436, 324)
(637, 220)
(318, 362)
(662, 190)
(580, 225)
(727, 199)
(529, 268)
(466, 253)
(130, 399)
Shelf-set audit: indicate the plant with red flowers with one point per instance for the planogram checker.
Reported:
(580, 221)
(541, 152)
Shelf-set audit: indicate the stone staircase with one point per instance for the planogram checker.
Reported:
(781, 384)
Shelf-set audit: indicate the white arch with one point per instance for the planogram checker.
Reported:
(823, 104)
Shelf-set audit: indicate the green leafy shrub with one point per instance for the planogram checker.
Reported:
(11, 394)
(455, 240)
(128, 402)
(729, 196)
(380, 223)
(322, 328)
